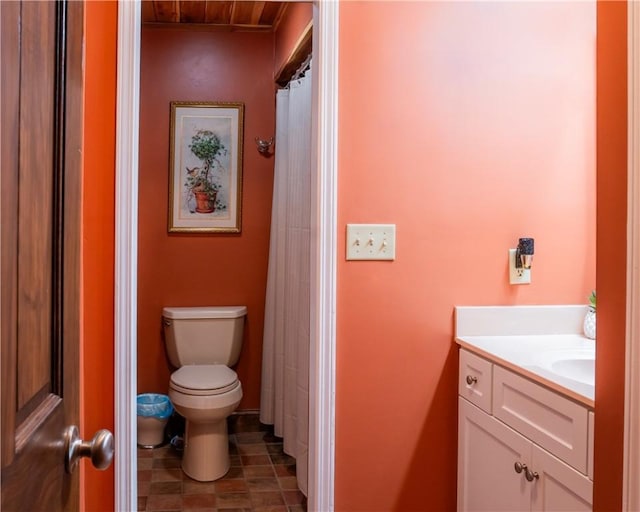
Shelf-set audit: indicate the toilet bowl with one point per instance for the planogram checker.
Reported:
(205, 395)
(203, 343)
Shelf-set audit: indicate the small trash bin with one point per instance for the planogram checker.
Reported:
(153, 413)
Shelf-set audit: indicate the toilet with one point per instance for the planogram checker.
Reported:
(203, 343)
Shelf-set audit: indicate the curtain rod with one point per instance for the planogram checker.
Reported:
(303, 67)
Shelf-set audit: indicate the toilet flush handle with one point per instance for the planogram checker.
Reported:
(167, 322)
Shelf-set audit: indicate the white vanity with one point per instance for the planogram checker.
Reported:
(526, 398)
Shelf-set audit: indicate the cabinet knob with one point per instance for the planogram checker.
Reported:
(519, 467)
(471, 379)
(531, 475)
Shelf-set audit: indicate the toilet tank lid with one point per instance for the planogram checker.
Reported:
(205, 312)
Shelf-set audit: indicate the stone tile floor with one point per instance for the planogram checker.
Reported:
(262, 477)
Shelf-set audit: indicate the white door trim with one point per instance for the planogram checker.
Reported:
(324, 259)
(126, 255)
(322, 370)
(631, 473)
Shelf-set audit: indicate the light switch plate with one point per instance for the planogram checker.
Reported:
(515, 277)
(371, 241)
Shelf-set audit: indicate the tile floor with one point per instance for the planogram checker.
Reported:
(261, 478)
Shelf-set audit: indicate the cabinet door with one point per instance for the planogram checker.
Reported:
(487, 452)
(558, 486)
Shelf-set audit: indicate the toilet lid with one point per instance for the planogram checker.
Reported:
(205, 379)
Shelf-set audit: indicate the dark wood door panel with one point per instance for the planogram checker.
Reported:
(36, 178)
(40, 249)
(10, 97)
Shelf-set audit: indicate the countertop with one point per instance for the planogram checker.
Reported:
(526, 354)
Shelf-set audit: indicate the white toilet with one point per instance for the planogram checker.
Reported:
(203, 342)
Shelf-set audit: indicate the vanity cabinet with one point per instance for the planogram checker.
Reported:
(521, 446)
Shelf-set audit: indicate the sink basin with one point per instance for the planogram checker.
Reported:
(582, 370)
(575, 364)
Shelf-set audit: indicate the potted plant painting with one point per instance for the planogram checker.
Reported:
(205, 167)
(590, 317)
(202, 181)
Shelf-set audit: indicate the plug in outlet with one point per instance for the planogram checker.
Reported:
(517, 275)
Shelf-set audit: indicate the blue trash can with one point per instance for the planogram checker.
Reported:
(153, 411)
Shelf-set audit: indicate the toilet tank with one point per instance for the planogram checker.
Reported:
(204, 335)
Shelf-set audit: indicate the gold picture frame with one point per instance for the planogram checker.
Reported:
(205, 187)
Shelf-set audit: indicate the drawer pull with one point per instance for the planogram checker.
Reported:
(471, 380)
(531, 475)
(519, 467)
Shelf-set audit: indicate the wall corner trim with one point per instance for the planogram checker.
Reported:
(631, 472)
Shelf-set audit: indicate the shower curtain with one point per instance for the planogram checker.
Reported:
(284, 399)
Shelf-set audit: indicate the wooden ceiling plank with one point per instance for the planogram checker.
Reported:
(148, 14)
(192, 11)
(234, 14)
(242, 13)
(282, 7)
(167, 11)
(218, 12)
(256, 13)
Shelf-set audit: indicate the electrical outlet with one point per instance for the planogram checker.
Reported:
(517, 275)
(371, 241)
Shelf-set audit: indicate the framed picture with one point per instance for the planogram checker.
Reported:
(205, 188)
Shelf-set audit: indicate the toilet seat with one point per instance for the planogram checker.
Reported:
(204, 380)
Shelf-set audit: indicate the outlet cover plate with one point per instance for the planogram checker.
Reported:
(515, 277)
(371, 241)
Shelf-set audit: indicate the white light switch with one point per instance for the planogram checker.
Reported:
(371, 241)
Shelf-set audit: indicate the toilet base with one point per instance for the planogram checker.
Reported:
(206, 451)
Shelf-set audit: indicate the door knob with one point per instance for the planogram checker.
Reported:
(100, 449)
(519, 467)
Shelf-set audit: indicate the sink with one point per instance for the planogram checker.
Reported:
(582, 370)
(574, 364)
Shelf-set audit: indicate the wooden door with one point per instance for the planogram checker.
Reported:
(40, 250)
(487, 452)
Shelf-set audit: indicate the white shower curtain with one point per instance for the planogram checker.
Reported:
(284, 399)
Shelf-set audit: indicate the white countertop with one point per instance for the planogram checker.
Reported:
(525, 354)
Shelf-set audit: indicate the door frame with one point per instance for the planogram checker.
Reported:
(324, 256)
(631, 470)
(126, 254)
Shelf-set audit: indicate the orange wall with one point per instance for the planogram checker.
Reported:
(97, 353)
(208, 269)
(467, 125)
(611, 253)
(295, 19)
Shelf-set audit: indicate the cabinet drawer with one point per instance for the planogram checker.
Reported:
(474, 380)
(550, 420)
